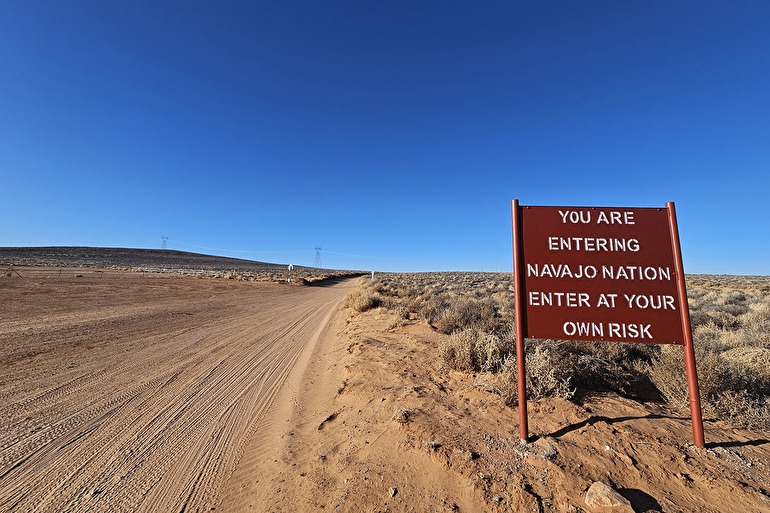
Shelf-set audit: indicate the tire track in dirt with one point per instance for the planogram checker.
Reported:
(151, 418)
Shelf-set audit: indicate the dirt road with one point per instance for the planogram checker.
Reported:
(130, 392)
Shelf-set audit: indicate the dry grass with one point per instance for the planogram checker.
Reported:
(472, 349)
(450, 313)
(731, 332)
(546, 377)
(365, 297)
(731, 327)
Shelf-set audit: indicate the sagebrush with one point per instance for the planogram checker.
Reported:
(730, 319)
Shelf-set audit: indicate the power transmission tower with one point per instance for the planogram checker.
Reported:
(317, 262)
(164, 242)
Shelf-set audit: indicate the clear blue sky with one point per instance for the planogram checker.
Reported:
(392, 134)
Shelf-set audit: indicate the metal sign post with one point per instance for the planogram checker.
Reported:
(518, 301)
(610, 274)
(689, 350)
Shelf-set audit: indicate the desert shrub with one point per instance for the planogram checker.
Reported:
(602, 366)
(730, 385)
(375, 286)
(547, 376)
(472, 349)
(615, 352)
(697, 318)
(406, 291)
(496, 349)
(745, 410)
(592, 372)
(667, 373)
(454, 313)
(755, 359)
(712, 337)
(504, 305)
(507, 387)
(724, 319)
(400, 315)
(730, 318)
(363, 298)
(431, 306)
(755, 327)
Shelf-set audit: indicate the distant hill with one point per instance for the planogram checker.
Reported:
(67, 256)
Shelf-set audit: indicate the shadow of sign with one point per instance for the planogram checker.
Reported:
(590, 421)
(748, 443)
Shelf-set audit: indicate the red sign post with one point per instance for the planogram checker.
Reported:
(600, 273)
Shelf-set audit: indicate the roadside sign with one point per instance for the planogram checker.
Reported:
(610, 274)
(599, 274)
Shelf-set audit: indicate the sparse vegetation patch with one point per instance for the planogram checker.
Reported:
(730, 322)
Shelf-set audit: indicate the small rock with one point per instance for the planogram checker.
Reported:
(600, 495)
(401, 415)
(548, 450)
(393, 491)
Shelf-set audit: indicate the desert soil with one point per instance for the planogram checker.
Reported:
(132, 392)
(386, 428)
(135, 392)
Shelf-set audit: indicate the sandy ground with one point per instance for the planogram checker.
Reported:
(384, 428)
(130, 392)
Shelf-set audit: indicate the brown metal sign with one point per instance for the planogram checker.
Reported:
(604, 274)
(593, 273)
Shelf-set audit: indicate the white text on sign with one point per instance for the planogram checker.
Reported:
(604, 272)
(607, 300)
(602, 217)
(611, 329)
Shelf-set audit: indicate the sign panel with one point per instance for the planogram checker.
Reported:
(596, 273)
(600, 273)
